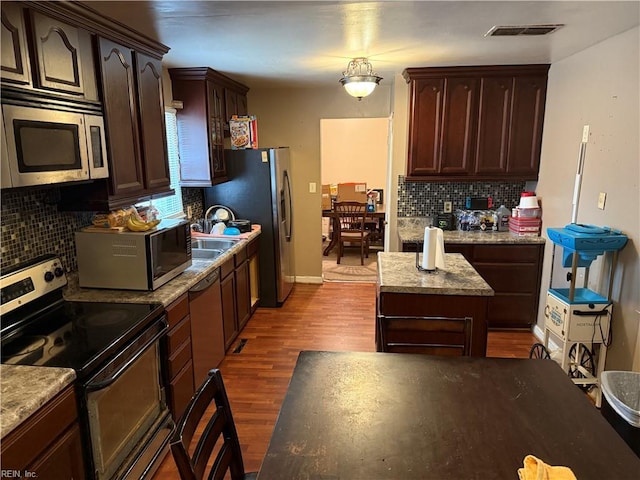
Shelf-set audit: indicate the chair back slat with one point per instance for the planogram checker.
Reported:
(218, 435)
(350, 222)
(426, 335)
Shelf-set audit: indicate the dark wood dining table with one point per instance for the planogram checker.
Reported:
(349, 416)
(377, 216)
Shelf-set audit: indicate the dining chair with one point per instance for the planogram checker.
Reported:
(218, 434)
(350, 223)
(426, 335)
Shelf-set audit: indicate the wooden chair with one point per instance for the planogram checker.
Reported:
(427, 335)
(350, 223)
(219, 434)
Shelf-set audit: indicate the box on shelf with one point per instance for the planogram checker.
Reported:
(326, 197)
(352, 192)
(244, 132)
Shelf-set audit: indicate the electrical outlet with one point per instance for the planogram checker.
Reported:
(312, 187)
(448, 207)
(189, 212)
(602, 198)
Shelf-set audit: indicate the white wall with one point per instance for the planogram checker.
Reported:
(598, 87)
(354, 150)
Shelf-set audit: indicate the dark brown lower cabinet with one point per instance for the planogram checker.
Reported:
(451, 306)
(48, 443)
(243, 292)
(514, 272)
(229, 312)
(178, 357)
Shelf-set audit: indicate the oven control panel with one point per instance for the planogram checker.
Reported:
(30, 283)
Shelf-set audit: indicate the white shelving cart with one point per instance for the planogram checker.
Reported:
(578, 317)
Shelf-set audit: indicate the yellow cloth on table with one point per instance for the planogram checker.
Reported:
(536, 469)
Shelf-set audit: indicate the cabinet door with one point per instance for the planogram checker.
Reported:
(121, 118)
(15, 62)
(58, 55)
(153, 134)
(527, 116)
(425, 128)
(243, 294)
(63, 459)
(230, 104)
(493, 125)
(243, 105)
(229, 315)
(181, 389)
(216, 134)
(458, 126)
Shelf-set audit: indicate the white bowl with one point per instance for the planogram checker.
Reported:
(528, 202)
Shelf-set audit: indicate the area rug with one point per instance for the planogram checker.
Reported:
(349, 269)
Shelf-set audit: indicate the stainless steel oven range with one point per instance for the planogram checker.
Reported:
(114, 349)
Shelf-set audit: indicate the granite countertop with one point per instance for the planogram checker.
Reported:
(166, 294)
(411, 230)
(25, 389)
(397, 273)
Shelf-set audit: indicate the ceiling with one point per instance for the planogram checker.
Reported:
(309, 43)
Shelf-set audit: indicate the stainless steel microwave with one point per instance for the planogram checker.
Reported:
(46, 146)
(134, 260)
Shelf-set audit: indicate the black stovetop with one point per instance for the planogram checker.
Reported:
(78, 335)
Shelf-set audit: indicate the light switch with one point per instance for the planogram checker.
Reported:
(312, 187)
(601, 199)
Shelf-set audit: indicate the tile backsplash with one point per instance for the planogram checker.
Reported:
(419, 199)
(31, 225)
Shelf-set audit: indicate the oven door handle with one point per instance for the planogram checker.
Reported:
(94, 386)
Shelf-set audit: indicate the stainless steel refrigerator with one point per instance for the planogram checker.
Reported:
(259, 190)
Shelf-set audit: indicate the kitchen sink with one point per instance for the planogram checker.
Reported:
(206, 253)
(212, 244)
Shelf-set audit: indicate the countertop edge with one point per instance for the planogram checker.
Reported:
(25, 389)
(164, 295)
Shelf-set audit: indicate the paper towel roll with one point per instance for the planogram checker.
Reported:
(433, 249)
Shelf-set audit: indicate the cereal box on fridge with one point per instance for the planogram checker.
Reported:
(244, 132)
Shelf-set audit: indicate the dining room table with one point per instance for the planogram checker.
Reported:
(356, 415)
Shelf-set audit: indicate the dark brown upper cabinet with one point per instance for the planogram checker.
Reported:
(41, 52)
(15, 60)
(476, 123)
(134, 114)
(209, 99)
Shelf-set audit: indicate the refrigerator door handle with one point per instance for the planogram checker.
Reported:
(285, 202)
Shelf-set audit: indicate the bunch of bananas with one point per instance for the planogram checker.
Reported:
(136, 225)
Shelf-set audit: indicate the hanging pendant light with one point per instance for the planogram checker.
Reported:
(358, 79)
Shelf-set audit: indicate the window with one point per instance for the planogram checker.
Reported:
(171, 206)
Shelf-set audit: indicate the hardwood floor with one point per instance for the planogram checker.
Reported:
(331, 316)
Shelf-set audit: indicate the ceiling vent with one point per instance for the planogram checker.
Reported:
(519, 30)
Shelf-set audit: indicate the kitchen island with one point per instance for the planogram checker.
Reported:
(454, 291)
(511, 265)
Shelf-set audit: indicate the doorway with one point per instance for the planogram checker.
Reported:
(353, 150)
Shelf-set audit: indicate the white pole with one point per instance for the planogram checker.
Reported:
(578, 182)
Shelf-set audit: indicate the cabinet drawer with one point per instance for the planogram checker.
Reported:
(464, 249)
(227, 268)
(178, 310)
(181, 389)
(179, 358)
(180, 334)
(21, 447)
(509, 278)
(506, 253)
